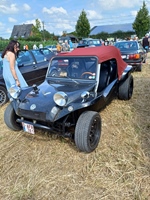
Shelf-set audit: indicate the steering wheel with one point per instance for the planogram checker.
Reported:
(84, 73)
(54, 72)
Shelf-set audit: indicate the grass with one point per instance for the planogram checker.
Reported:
(43, 167)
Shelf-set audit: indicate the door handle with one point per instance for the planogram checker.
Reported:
(34, 66)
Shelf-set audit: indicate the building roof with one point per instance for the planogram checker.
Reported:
(112, 28)
(21, 31)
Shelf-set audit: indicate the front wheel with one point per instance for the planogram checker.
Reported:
(10, 118)
(3, 96)
(88, 131)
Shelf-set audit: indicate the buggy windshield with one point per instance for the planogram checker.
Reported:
(73, 67)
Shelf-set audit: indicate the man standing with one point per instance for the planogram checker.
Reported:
(145, 42)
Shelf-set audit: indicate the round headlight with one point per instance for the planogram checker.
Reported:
(14, 91)
(60, 98)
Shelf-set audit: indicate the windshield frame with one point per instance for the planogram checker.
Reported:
(69, 66)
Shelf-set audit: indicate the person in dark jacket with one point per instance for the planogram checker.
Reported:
(145, 43)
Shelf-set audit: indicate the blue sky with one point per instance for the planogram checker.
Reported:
(62, 15)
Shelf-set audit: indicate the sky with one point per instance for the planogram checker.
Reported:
(61, 15)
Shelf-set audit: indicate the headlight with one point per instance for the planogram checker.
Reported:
(85, 94)
(14, 91)
(60, 98)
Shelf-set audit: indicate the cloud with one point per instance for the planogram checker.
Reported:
(31, 22)
(8, 30)
(115, 4)
(10, 19)
(134, 13)
(92, 14)
(1, 24)
(9, 9)
(54, 10)
(26, 7)
(59, 25)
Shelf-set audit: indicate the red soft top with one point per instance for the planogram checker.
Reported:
(103, 53)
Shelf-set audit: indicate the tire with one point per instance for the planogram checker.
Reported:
(3, 96)
(10, 118)
(144, 61)
(88, 131)
(139, 68)
(126, 89)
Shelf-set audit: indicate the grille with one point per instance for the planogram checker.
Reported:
(32, 114)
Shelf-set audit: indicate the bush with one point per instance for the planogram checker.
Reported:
(4, 43)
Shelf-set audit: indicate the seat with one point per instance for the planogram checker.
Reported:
(75, 70)
(104, 76)
(113, 71)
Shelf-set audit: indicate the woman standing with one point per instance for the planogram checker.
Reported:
(11, 73)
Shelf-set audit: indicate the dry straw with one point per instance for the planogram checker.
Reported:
(43, 167)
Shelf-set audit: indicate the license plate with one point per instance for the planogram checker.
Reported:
(28, 128)
(123, 56)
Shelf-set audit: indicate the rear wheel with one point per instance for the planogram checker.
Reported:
(10, 118)
(3, 95)
(126, 89)
(88, 131)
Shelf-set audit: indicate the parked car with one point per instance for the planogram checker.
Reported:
(32, 64)
(52, 48)
(77, 86)
(47, 53)
(133, 53)
(82, 45)
(86, 42)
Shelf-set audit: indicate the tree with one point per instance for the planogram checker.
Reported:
(141, 24)
(47, 35)
(36, 30)
(83, 26)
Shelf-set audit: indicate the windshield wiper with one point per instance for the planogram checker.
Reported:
(72, 80)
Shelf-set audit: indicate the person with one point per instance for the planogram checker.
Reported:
(35, 47)
(40, 46)
(70, 44)
(11, 73)
(136, 38)
(145, 43)
(103, 43)
(26, 47)
(59, 48)
(66, 46)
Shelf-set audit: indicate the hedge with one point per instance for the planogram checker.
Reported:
(4, 43)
